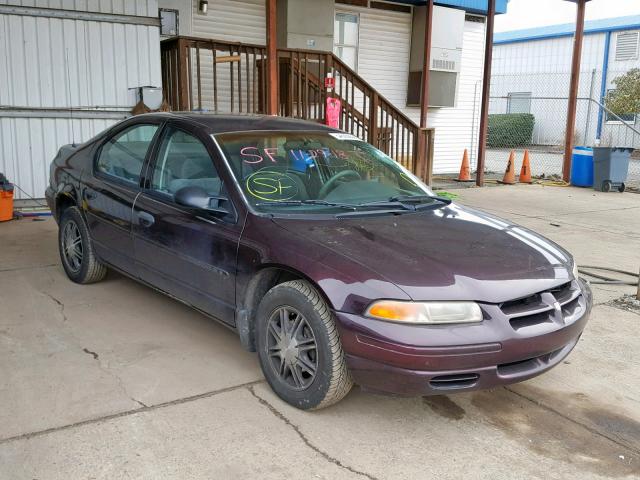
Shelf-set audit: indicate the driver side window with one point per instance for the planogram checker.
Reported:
(183, 161)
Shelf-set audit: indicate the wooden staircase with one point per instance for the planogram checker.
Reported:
(227, 77)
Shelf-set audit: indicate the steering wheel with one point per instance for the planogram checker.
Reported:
(333, 181)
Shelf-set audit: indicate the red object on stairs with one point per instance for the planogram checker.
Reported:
(334, 105)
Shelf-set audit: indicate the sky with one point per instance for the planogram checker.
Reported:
(537, 13)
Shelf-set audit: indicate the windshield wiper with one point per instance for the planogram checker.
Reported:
(289, 203)
(419, 198)
(407, 202)
(395, 209)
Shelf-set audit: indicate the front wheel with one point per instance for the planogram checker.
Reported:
(299, 348)
(76, 252)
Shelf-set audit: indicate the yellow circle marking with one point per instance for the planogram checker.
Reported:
(271, 186)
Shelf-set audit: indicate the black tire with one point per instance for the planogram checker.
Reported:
(83, 269)
(622, 187)
(606, 186)
(301, 305)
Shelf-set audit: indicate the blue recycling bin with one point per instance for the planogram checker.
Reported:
(582, 167)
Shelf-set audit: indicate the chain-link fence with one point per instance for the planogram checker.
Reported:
(529, 111)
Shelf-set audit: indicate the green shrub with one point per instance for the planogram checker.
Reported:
(510, 129)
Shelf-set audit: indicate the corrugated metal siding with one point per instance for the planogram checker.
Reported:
(27, 146)
(536, 65)
(145, 8)
(614, 133)
(542, 68)
(105, 60)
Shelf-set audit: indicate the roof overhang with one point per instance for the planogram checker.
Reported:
(603, 25)
(471, 6)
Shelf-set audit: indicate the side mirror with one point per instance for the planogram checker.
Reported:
(197, 197)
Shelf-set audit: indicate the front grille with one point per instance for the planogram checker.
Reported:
(541, 308)
(452, 382)
(524, 366)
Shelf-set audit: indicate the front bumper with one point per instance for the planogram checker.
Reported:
(515, 342)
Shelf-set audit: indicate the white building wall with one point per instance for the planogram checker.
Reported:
(48, 65)
(383, 61)
(543, 68)
(383, 51)
(457, 127)
(233, 21)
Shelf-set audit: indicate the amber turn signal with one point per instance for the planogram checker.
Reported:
(427, 313)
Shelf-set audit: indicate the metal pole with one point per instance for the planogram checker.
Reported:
(573, 89)
(588, 121)
(426, 65)
(422, 157)
(486, 84)
(272, 59)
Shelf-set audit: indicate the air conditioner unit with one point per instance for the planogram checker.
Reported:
(446, 55)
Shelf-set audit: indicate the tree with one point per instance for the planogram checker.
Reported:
(625, 99)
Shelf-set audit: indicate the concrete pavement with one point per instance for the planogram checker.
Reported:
(114, 380)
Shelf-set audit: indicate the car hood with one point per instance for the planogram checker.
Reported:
(448, 253)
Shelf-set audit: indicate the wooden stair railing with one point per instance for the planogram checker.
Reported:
(221, 76)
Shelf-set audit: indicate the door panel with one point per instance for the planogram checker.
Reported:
(109, 193)
(190, 257)
(188, 253)
(108, 212)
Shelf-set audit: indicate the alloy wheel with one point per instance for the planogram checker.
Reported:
(72, 245)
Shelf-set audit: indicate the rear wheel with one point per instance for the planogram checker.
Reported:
(622, 187)
(299, 348)
(606, 186)
(76, 252)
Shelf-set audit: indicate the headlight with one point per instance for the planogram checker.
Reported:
(425, 313)
(575, 270)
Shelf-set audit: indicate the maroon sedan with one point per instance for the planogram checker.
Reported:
(327, 257)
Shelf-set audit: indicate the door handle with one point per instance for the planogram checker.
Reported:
(90, 195)
(145, 219)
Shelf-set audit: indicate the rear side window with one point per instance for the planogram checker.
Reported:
(122, 155)
(183, 161)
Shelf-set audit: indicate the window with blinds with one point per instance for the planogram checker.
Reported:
(627, 46)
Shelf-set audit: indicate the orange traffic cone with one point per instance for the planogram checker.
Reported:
(465, 172)
(510, 173)
(525, 171)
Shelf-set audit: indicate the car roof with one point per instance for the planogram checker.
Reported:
(225, 123)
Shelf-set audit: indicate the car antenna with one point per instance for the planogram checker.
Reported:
(73, 136)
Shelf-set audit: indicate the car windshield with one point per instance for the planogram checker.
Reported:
(317, 172)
